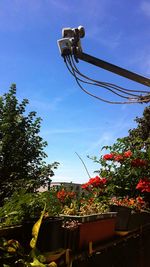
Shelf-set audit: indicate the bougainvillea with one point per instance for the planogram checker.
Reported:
(108, 157)
(118, 157)
(95, 182)
(65, 196)
(144, 185)
(137, 203)
(123, 168)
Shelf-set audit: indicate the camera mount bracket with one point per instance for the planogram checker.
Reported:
(70, 44)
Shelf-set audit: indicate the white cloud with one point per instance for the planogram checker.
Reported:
(104, 37)
(106, 139)
(110, 134)
(145, 7)
(60, 4)
(52, 105)
(141, 59)
(69, 171)
(69, 130)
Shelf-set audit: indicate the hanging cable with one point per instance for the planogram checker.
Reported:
(77, 79)
(99, 98)
(109, 84)
(103, 84)
(72, 71)
(124, 93)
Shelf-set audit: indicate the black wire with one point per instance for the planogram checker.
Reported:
(109, 84)
(102, 84)
(99, 98)
(91, 83)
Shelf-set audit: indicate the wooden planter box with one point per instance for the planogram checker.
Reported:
(95, 231)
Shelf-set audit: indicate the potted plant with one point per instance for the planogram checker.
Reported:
(131, 212)
(22, 211)
(87, 216)
(13, 254)
(127, 172)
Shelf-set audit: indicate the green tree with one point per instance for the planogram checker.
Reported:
(139, 137)
(21, 148)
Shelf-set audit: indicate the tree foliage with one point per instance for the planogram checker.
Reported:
(21, 148)
(139, 137)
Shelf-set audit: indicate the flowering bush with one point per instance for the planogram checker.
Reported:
(65, 197)
(93, 198)
(118, 157)
(96, 182)
(143, 185)
(137, 203)
(90, 201)
(126, 170)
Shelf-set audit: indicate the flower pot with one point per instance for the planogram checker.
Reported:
(96, 231)
(50, 236)
(123, 216)
(128, 220)
(93, 231)
(89, 218)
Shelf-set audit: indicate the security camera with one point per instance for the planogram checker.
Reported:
(71, 40)
(81, 31)
(64, 46)
(69, 33)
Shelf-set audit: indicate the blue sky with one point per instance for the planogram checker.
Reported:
(116, 31)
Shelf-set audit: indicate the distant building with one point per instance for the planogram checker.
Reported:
(70, 186)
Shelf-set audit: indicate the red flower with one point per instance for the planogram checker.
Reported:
(71, 194)
(118, 158)
(127, 154)
(97, 181)
(94, 182)
(140, 200)
(63, 195)
(85, 186)
(108, 156)
(144, 185)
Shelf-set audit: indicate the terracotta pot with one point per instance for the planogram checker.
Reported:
(94, 231)
(89, 218)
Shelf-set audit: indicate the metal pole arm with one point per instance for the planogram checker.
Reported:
(113, 68)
